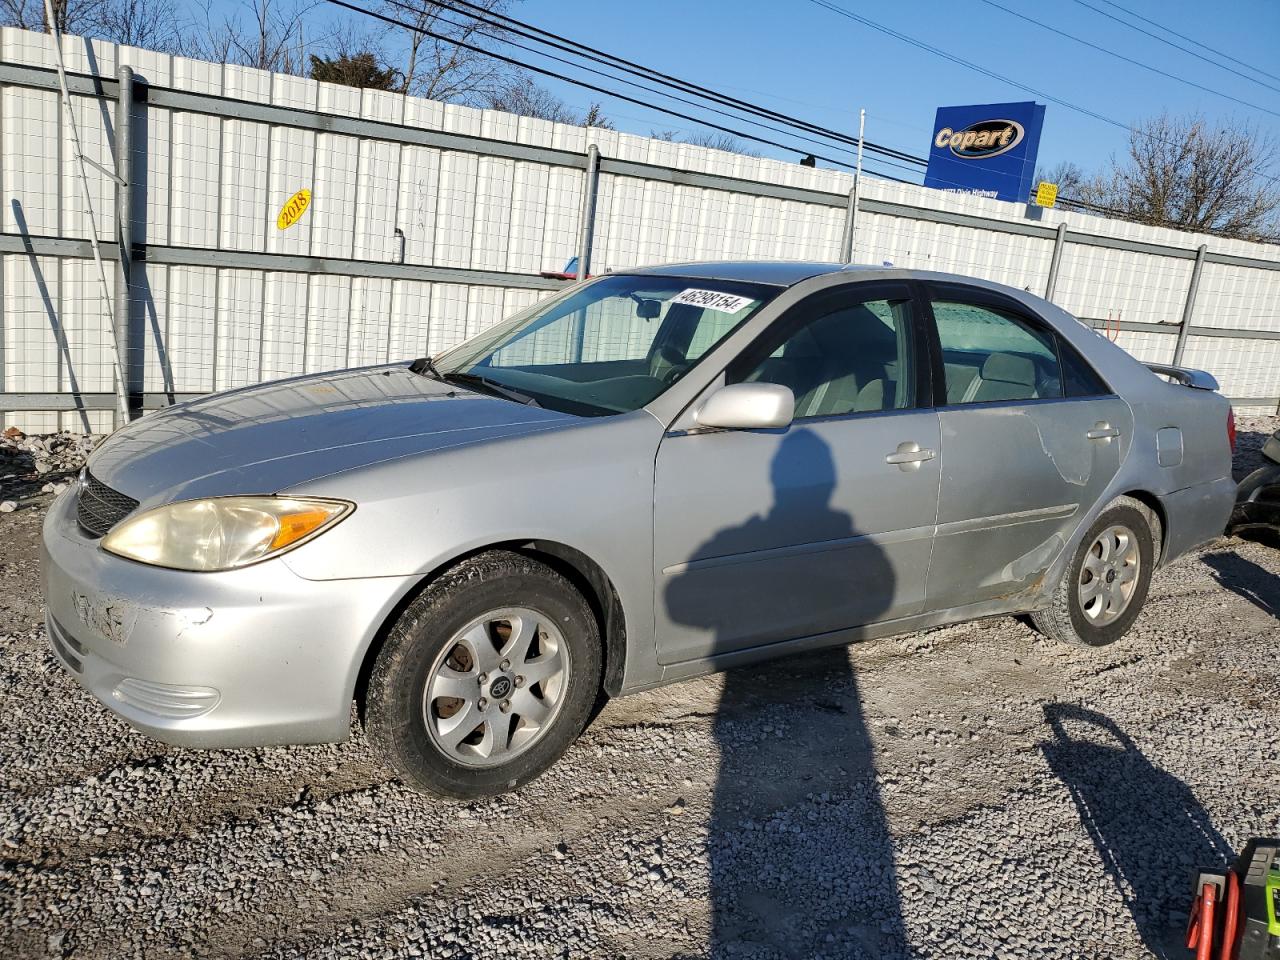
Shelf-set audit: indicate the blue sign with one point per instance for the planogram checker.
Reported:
(987, 150)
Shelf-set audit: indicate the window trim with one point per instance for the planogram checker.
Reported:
(846, 295)
(953, 292)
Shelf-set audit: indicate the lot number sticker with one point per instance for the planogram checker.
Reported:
(713, 300)
(293, 209)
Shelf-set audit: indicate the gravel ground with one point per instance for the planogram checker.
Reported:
(971, 791)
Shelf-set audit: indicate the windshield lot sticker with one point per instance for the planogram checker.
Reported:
(713, 300)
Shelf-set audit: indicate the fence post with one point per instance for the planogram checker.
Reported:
(1059, 241)
(1189, 308)
(850, 222)
(130, 363)
(587, 223)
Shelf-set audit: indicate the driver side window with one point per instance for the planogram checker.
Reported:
(840, 355)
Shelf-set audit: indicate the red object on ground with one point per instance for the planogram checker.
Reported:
(1200, 927)
(1205, 918)
(1231, 914)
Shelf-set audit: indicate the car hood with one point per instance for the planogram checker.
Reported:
(268, 438)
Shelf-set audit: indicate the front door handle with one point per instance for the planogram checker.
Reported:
(1102, 431)
(909, 456)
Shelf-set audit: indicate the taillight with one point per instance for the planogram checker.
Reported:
(1231, 428)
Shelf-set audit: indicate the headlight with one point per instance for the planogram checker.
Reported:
(222, 532)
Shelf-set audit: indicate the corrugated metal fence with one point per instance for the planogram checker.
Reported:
(427, 222)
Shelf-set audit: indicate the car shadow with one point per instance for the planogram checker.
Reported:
(1252, 581)
(801, 859)
(1148, 827)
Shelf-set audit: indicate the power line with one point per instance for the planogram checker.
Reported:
(644, 71)
(590, 86)
(1177, 46)
(1121, 56)
(561, 42)
(485, 16)
(936, 51)
(675, 81)
(631, 83)
(1205, 46)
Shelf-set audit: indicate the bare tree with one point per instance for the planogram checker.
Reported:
(521, 95)
(267, 34)
(1183, 172)
(711, 140)
(151, 24)
(71, 16)
(1069, 177)
(435, 66)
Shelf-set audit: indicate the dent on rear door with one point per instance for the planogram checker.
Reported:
(1016, 481)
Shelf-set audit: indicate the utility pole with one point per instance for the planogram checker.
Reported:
(851, 223)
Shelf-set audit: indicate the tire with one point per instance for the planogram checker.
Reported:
(504, 599)
(1101, 620)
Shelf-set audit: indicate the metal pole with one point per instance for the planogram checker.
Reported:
(55, 37)
(1190, 307)
(851, 233)
(846, 239)
(124, 238)
(587, 225)
(1059, 241)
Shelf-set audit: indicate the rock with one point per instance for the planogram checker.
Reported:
(8, 506)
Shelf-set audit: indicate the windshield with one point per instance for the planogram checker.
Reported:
(610, 346)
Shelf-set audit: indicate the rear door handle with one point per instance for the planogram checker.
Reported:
(1102, 431)
(909, 456)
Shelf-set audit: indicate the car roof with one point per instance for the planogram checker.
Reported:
(781, 273)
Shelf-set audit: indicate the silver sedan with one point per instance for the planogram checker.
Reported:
(650, 476)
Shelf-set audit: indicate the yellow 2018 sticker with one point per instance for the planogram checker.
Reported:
(293, 209)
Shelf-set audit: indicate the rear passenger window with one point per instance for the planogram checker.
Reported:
(1078, 378)
(990, 355)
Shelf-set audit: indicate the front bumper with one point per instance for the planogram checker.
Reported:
(249, 657)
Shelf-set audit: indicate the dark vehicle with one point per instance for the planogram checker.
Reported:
(1258, 497)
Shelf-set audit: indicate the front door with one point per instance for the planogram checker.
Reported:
(764, 536)
(1032, 436)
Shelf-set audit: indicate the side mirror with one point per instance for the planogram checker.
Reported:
(748, 406)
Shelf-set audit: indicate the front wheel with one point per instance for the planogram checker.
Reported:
(486, 678)
(1106, 582)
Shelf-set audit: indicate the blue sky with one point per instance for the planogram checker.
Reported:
(799, 58)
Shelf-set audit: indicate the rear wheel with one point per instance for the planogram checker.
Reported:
(486, 678)
(1106, 582)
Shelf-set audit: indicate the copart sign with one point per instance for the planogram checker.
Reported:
(988, 150)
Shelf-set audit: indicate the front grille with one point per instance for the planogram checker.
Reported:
(99, 508)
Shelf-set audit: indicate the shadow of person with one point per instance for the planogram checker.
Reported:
(1148, 827)
(801, 860)
(1255, 583)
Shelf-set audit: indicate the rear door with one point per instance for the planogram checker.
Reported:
(1031, 436)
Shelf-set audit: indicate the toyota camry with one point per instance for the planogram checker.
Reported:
(646, 477)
